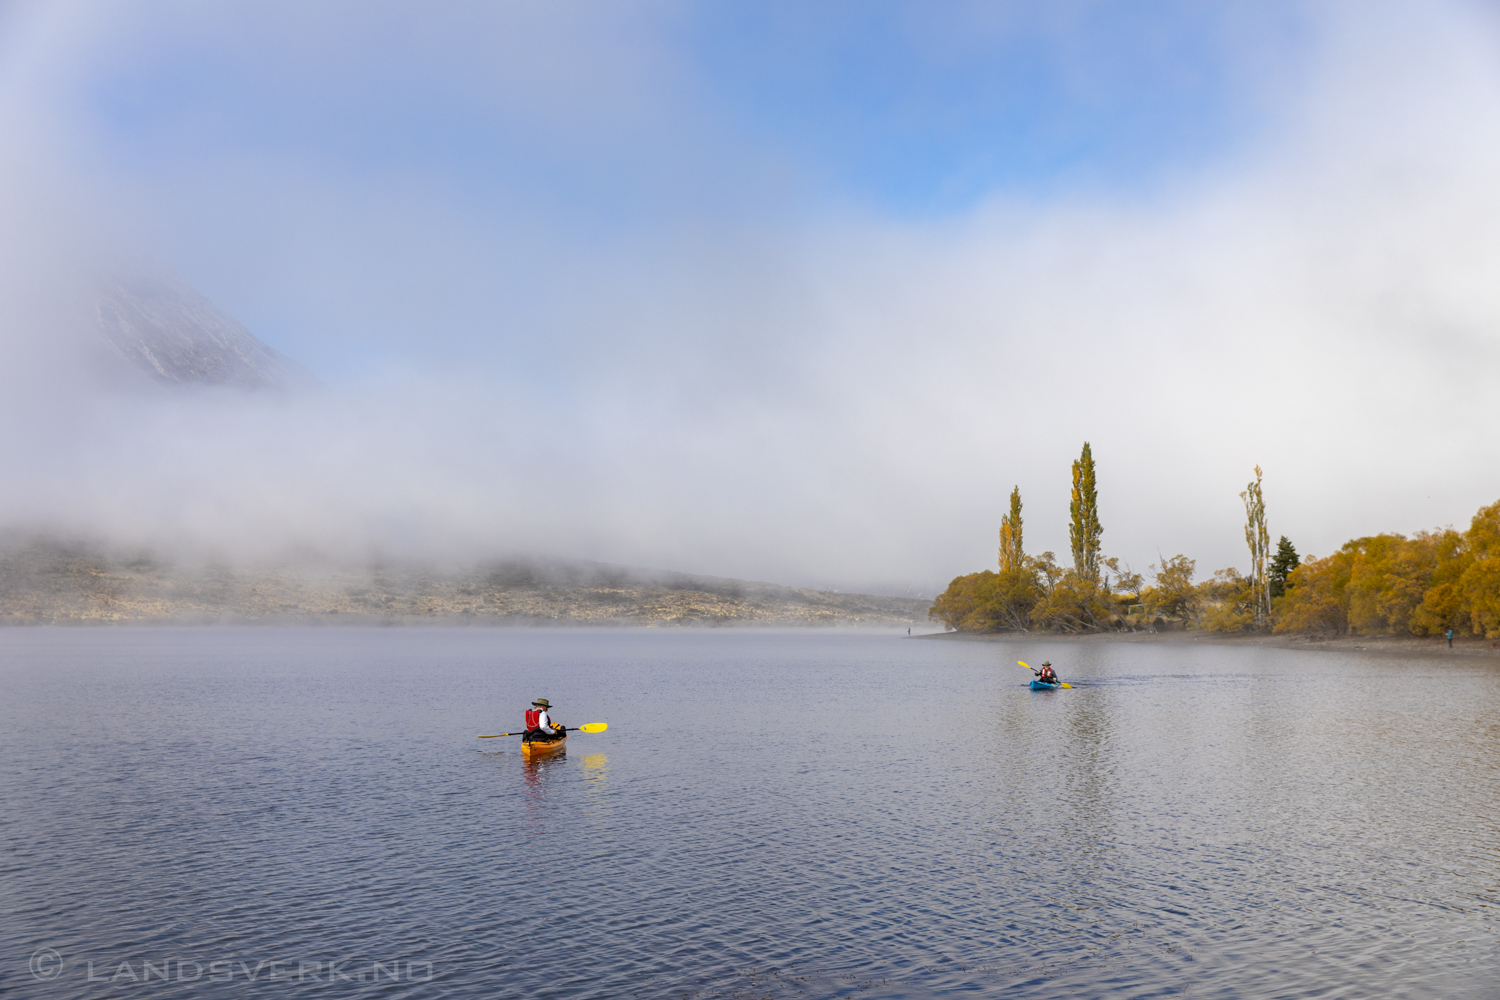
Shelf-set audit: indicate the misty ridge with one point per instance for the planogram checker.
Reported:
(174, 336)
(155, 421)
(47, 582)
(159, 335)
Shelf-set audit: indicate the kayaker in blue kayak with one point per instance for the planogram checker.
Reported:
(1046, 674)
(539, 725)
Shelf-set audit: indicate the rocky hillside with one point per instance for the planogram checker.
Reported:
(174, 336)
(46, 583)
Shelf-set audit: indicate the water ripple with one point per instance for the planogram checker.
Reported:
(769, 815)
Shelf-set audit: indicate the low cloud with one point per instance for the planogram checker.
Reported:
(828, 398)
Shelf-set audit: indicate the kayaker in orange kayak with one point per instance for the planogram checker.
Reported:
(1046, 674)
(539, 725)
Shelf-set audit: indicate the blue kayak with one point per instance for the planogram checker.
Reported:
(1044, 686)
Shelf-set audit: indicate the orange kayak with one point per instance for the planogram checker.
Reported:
(540, 748)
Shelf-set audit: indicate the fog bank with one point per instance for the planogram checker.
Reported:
(741, 380)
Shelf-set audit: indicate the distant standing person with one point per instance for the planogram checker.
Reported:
(1450, 638)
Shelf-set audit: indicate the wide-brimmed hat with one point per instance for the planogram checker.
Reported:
(1045, 663)
(543, 702)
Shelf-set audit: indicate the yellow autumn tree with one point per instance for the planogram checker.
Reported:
(963, 607)
(1171, 594)
(1479, 586)
(1443, 606)
(1228, 602)
(1075, 604)
(1012, 549)
(1421, 585)
(1382, 584)
(993, 602)
(1376, 582)
(1388, 579)
(1314, 600)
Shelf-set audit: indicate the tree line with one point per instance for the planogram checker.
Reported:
(1381, 584)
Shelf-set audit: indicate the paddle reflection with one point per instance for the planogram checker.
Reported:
(595, 778)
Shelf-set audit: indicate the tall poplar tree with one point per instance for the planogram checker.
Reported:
(1085, 529)
(1011, 553)
(1259, 540)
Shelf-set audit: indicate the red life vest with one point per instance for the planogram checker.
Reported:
(533, 718)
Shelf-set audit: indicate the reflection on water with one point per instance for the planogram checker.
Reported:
(538, 774)
(536, 771)
(596, 798)
(833, 815)
(596, 774)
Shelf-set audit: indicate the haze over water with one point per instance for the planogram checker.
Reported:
(761, 291)
(769, 814)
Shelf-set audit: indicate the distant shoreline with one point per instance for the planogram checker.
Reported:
(46, 583)
(1404, 645)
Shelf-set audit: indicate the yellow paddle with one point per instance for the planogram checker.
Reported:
(1033, 670)
(587, 727)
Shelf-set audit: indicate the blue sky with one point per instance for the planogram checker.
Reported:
(907, 111)
(644, 281)
(653, 123)
(896, 108)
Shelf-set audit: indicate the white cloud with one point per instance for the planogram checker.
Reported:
(832, 398)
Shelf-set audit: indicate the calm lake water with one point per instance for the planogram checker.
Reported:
(773, 815)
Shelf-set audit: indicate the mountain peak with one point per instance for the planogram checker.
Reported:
(175, 336)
